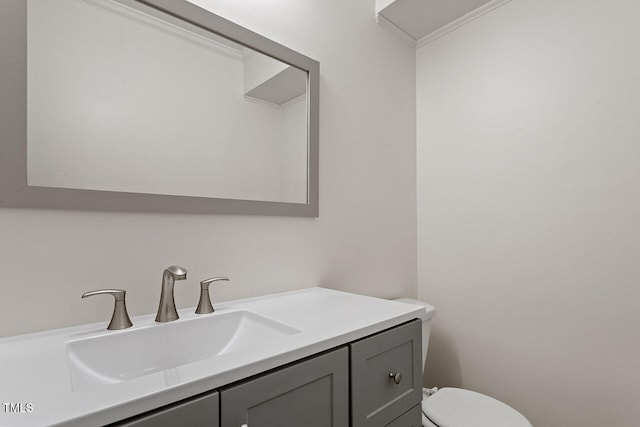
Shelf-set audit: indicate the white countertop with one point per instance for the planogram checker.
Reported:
(34, 368)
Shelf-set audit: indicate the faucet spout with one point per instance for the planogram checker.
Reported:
(167, 309)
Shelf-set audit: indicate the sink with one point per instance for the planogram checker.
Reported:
(114, 357)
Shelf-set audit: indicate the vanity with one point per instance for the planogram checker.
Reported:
(314, 357)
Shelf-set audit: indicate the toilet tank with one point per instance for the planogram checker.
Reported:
(426, 317)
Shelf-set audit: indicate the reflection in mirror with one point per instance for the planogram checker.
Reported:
(124, 98)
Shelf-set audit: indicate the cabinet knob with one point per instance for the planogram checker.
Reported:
(396, 377)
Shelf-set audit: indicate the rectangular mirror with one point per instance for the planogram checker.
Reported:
(154, 105)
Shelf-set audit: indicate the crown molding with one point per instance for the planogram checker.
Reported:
(463, 20)
(197, 36)
(384, 22)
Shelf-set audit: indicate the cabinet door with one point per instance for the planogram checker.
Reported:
(312, 393)
(411, 418)
(376, 397)
(202, 411)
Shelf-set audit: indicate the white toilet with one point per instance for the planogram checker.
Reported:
(455, 407)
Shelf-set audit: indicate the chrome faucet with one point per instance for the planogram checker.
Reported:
(167, 309)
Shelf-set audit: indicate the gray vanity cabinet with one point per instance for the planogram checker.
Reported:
(200, 411)
(372, 382)
(386, 377)
(311, 393)
(412, 418)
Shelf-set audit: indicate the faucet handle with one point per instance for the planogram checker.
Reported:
(120, 318)
(118, 294)
(204, 305)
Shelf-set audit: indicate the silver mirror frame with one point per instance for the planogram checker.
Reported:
(15, 190)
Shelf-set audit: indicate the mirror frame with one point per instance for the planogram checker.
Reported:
(15, 190)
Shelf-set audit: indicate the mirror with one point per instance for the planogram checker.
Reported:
(156, 105)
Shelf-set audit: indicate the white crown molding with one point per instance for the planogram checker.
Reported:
(124, 10)
(384, 22)
(247, 53)
(463, 20)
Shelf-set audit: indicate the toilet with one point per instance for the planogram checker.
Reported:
(455, 407)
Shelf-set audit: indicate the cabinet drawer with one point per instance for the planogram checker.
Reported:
(412, 418)
(376, 399)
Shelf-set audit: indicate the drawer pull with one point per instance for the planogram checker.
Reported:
(396, 377)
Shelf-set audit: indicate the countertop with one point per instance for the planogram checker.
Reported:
(34, 368)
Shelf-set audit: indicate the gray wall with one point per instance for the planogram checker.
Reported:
(529, 207)
(364, 240)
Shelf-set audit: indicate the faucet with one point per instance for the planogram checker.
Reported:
(167, 309)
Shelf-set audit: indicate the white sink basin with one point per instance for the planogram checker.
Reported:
(114, 357)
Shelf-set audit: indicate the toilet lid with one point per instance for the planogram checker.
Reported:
(455, 407)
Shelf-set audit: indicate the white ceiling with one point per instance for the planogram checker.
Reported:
(421, 17)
